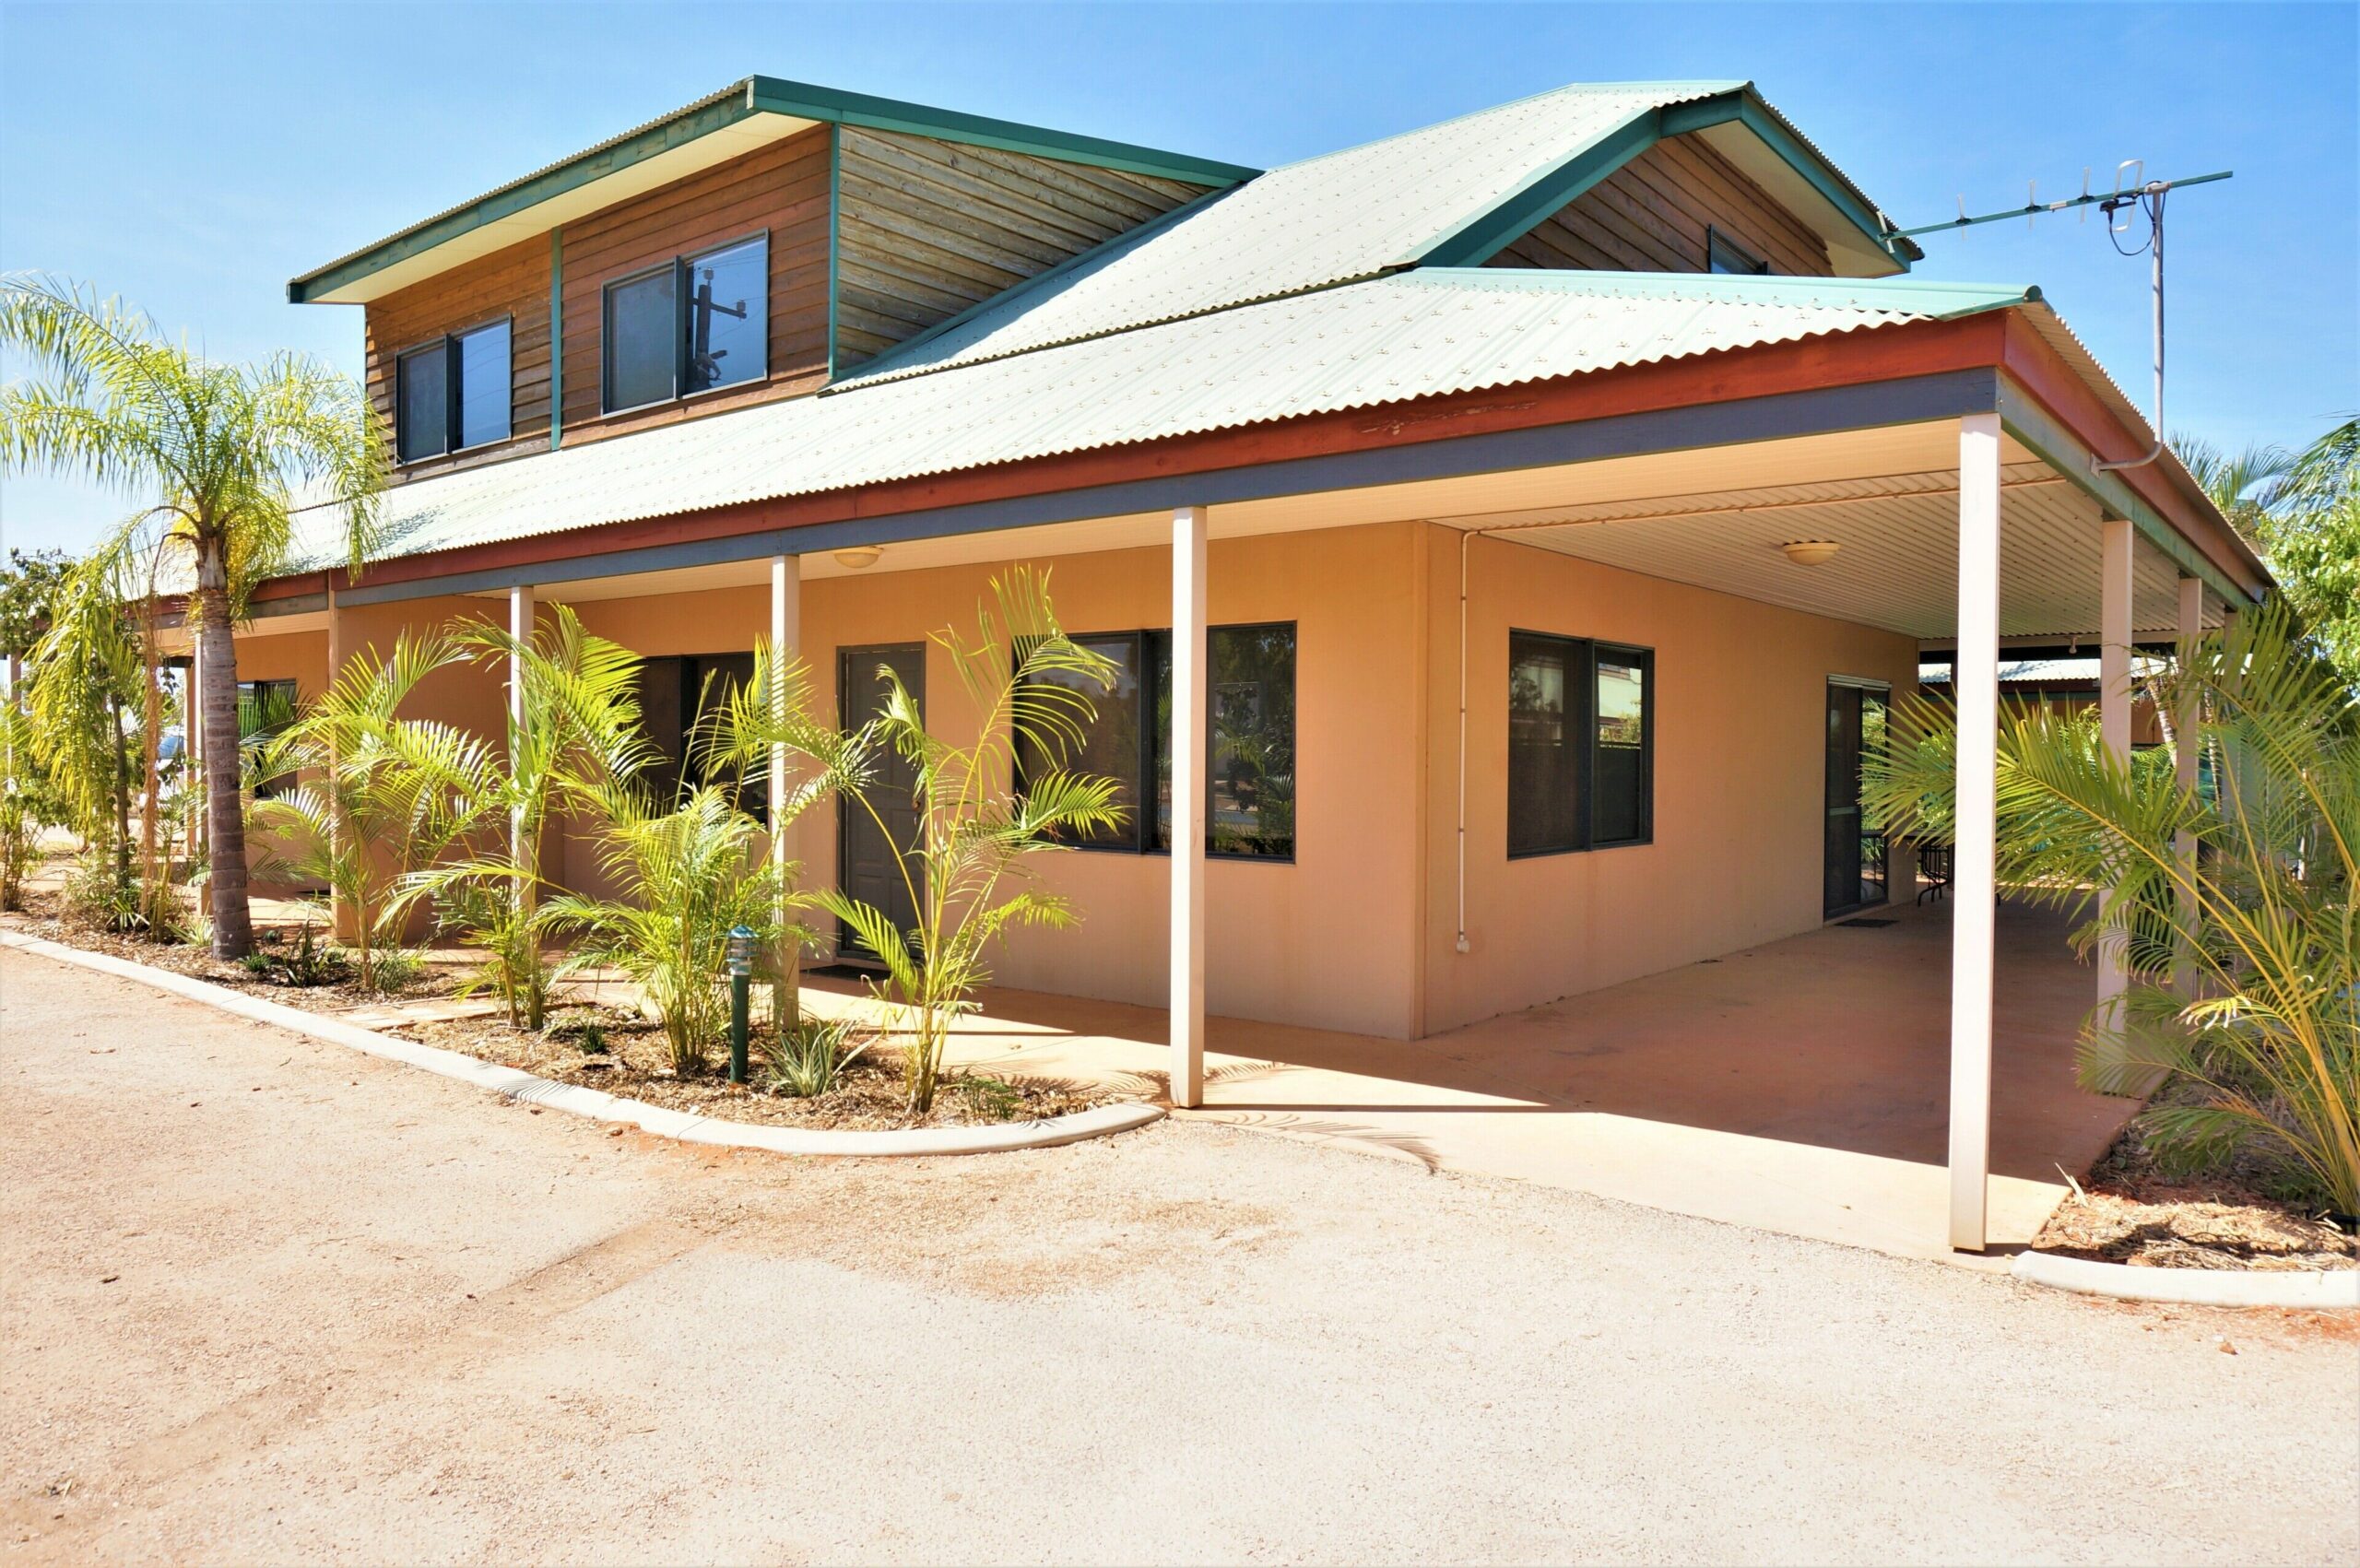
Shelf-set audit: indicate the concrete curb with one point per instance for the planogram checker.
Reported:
(577, 1100)
(2318, 1289)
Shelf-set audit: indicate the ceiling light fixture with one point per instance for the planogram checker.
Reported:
(1809, 552)
(857, 557)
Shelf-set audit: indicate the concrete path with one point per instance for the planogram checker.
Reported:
(265, 1300)
(1802, 1087)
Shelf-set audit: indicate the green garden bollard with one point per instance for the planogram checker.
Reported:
(741, 971)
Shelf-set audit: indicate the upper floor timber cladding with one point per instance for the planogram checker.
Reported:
(777, 240)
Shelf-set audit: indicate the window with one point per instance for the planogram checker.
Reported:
(264, 710)
(1249, 689)
(692, 325)
(1725, 255)
(676, 696)
(452, 394)
(1581, 744)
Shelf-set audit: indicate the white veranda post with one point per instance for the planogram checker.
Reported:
(519, 633)
(1976, 681)
(2114, 728)
(1189, 777)
(786, 636)
(2185, 724)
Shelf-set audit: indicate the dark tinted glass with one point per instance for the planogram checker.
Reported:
(1620, 784)
(1110, 744)
(423, 388)
(641, 343)
(483, 385)
(728, 315)
(1250, 713)
(1544, 738)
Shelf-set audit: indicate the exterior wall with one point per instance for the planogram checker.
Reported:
(927, 228)
(1739, 780)
(1651, 215)
(782, 188)
(513, 283)
(1328, 939)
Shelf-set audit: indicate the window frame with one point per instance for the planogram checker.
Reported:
(453, 390)
(1583, 658)
(680, 266)
(1716, 238)
(1140, 835)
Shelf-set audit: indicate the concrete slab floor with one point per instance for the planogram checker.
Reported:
(1801, 1087)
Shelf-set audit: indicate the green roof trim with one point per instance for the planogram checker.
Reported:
(1488, 233)
(754, 95)
(1749, 108)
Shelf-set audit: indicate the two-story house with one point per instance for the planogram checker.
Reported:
(1508, 531)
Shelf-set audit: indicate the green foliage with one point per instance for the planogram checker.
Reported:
(216, 453)
(965, 876)
(686, 877)
(993, 1099)
(378, 796)
(26, 803)
(2302, 511)
(2263, 916)
(581, 737)
(809, 1056)
(306, 964)
(28, 586)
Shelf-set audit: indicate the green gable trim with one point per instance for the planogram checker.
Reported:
(1488, 233)
(830, 105)
(1758, 117)
(755, 95)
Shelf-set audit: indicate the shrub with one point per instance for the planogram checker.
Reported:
(809, 1056)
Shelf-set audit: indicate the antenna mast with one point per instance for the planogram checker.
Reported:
(2135, 192)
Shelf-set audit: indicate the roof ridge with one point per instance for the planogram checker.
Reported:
(1703, 86)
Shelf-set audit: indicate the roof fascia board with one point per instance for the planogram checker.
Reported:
(2022, 417)
(1486, 234)
(571, 175)
(806, 101)
(1776, 415)
(1747, 109)
(755, 95)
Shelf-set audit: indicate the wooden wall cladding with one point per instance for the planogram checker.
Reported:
(1651, 214)
(782, 188)
(513, 283)
(927, 228)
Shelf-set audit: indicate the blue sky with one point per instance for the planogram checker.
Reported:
(194, 158)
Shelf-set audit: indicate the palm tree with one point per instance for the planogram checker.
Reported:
(2267, 1015)
(218, 453)
(965, 875)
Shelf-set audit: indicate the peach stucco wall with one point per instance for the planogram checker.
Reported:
(1328, 939)
(1739, 780)
(1358, 932)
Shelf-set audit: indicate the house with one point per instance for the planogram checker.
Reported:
(1521, 519)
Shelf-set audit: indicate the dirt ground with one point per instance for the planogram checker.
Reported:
(267, 1299)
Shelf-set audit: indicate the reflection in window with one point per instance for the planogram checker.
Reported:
(678, 699)
(1581, 744)
(265, 708)
(1250, 723)
(1111, 742)
(642, 328)
(453, 394)
(423, 389)
(483, 385)
(695, 324)
(728, 315)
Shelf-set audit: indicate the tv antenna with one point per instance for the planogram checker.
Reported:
(2132, 192)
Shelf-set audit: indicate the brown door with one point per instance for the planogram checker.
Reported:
(867, 868)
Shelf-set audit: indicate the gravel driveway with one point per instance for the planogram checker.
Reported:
(268, 1300)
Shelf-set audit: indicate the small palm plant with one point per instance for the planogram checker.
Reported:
(2263, 913)
(685, 877)
(581, 737)
(378, 796)
(965, 876)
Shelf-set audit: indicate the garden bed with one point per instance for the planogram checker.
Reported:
(2132, 1212)
(634, 1062)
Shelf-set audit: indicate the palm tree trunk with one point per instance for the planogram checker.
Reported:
(225, 819)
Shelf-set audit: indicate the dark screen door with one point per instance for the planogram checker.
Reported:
(865, 865)
(1855, 851)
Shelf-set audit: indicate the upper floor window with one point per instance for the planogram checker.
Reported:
(1725, 255)
(694, 324)
(453, 394)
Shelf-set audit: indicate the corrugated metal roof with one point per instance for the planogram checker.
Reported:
(1331, 219)
(1385, 340)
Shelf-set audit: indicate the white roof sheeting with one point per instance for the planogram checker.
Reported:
(1386, 340)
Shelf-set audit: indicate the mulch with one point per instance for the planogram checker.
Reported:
(2130, 1210)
